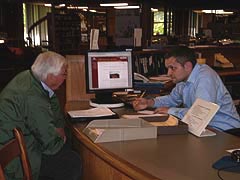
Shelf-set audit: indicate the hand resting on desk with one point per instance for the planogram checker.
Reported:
(143, 103)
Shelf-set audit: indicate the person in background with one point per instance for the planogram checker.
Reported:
(193, 81)
(29, 102)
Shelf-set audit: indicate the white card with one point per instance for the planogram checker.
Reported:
(198, 117)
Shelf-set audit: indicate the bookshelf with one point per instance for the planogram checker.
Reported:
(149, 62)
(64, 32)
(69, 31)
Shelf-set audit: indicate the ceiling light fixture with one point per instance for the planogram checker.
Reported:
(126, 7)
(48, 5)
(92, 10)
(154, 9)
(113, 4)
(217, 11)
(77, 7)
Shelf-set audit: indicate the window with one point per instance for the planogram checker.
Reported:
(162, 22)
(35, 14)
(158, 22)
(169, 22)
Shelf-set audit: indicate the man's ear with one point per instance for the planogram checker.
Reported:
(188, 66)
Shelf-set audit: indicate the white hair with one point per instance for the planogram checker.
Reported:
(47, 63)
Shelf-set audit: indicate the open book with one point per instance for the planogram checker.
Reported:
(198, 117)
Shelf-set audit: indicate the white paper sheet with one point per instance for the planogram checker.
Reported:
(93, 112)
(135, 116)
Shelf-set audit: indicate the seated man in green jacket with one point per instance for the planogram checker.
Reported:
(29, 102)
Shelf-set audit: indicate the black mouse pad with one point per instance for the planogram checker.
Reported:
(226, 163)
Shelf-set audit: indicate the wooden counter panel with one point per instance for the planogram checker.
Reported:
(101, 164)
(76, 79)
(95, 168)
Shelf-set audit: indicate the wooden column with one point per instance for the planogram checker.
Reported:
(76, 80)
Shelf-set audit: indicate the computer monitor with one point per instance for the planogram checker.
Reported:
(108, 72)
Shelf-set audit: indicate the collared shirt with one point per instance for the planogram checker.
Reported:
(50, 91)
(202, 83)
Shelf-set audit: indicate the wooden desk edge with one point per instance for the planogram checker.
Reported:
(116, 162)
(226, 72)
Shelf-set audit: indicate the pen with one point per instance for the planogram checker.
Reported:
(142, 94)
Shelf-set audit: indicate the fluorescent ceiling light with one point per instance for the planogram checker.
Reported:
(127, 7)
(60, 6)
(217, 11)
(114, 4)
(154, 9)
(92, 10)
(223, 12)
(1, 41)
(48, 5)
(77, 7)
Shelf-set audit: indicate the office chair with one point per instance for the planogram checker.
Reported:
(13, 149)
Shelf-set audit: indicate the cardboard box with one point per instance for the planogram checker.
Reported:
(180, 128)
(109, 130)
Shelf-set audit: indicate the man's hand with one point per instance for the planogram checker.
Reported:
(142, 103)
(61, 132)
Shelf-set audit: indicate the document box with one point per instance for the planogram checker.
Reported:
(109, 130)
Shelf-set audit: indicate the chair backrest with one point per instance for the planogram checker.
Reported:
(13, 149)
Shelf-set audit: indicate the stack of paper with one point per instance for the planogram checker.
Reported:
(162, 78)
(93, 112)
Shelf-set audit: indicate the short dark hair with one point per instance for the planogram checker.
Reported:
(182, 55)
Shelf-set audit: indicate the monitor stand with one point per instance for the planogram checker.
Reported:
(105, 99)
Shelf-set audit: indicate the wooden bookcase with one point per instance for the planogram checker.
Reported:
(149, 63)
(64, 32)
(67, 34)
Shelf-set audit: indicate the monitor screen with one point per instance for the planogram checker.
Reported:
(108, 72)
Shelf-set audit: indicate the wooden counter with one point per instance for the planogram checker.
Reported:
(228, 72)
(230, 52)
(169, 157)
